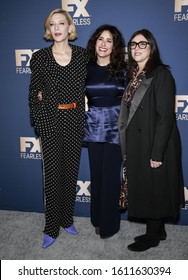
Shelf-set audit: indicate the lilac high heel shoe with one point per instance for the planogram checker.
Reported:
(47, 241)
(71, 230)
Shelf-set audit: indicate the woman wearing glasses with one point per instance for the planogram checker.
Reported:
(150, 142)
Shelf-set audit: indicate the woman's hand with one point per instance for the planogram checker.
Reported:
(155, 164)
(39, 95)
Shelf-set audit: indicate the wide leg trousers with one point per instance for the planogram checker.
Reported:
(61, 153)
(105, 168)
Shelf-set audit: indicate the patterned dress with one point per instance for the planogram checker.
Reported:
(60, 131)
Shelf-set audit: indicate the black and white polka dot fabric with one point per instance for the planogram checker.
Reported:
(60, 131)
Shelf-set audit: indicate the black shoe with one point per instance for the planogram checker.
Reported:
(106, 237)
(143, 244)
(162, 236)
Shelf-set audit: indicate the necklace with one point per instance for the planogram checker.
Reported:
(60, 53)
(62, 58)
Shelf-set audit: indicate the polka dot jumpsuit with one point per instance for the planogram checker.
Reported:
(60, 131)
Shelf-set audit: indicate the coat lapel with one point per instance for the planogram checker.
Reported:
(48, 69)
(140, 92)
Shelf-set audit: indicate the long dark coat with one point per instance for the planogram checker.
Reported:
(149, 131)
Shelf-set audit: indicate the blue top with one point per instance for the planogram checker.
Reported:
(104, 99)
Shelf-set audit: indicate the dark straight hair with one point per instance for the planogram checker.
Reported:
(154, 59)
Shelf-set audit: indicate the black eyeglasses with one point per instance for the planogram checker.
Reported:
(141, 45)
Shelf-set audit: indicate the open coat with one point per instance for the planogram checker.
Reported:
(148, 130)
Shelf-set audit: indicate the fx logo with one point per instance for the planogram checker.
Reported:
(181, 102)
(71, 5)
(179, 4)
(23, 56)
(29, 143)
(83, 188)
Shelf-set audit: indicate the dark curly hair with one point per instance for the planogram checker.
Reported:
(117, 57)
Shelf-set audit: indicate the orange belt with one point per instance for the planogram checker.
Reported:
(68, 106)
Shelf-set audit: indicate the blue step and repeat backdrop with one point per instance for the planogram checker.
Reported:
(22, 21)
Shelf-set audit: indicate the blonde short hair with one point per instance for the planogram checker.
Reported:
(48, 35)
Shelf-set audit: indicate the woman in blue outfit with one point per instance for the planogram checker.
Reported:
(105, 84)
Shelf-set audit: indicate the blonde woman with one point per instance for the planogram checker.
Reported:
(56, 101)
